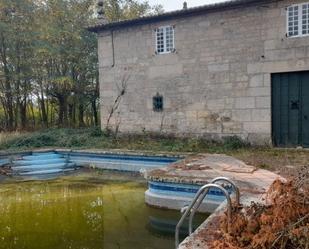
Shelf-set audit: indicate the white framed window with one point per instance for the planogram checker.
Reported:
(298, 20)
(165, 40)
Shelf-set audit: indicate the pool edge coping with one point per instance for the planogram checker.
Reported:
(180, 155)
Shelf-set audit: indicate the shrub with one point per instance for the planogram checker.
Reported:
(96, 132)
(234, 143)
(35, 140)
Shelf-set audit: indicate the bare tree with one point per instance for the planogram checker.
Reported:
(122, 89)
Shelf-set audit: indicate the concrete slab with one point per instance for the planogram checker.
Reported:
(202, 168)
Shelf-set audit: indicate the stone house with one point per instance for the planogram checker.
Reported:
(235, 68)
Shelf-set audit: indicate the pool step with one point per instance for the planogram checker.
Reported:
(45, 172)
(4, 162)
(42, 167)
(43, 156)
(41, 163)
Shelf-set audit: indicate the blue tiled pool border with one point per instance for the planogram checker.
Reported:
(109, 161)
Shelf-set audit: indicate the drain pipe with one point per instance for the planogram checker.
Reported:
(113, 47)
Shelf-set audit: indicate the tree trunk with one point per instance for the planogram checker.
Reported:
(23, 113)
(71, 115)
(81, 122)
(7, 87)
(63, 111)
(95, 112)
(32, 112)
(43, 110)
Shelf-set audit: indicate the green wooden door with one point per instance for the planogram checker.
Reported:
(290, 109)
(305, 109)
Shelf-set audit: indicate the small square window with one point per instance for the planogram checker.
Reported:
(157, 103)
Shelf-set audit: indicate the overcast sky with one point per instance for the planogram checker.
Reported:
(177, 4)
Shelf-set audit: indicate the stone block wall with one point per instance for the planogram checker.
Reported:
(217, 83)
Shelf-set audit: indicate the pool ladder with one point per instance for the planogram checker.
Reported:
(198, 199)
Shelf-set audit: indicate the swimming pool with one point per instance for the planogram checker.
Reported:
(74, 199)
(88, 209)
(57, 162)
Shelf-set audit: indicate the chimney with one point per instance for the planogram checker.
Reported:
(185, 5)
(101, 12)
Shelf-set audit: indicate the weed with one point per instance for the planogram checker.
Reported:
(234, 143)
(96, 132)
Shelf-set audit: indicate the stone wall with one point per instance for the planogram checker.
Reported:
(216, 84)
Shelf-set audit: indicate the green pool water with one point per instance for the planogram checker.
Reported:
(89, 210)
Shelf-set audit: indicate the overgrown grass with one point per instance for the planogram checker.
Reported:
(94, 138)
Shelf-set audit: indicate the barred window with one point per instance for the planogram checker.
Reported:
(298, 20)
(165, 40)
(157, 103)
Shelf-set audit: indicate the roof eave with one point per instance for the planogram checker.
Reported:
(177, 14)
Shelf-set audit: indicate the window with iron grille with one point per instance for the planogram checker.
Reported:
(157, 103)
(165, 40)
(298, 20)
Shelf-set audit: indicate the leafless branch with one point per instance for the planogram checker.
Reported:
(122, 89)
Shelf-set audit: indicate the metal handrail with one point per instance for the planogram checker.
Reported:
(236, 189)
(198, 194)
(200, 200)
